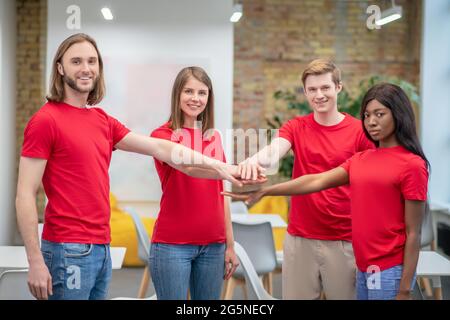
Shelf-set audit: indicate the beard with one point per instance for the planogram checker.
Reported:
(71, 82)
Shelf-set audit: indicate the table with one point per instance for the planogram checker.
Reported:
(15, 257)
(433, 265)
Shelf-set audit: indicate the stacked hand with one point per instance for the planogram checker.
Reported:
(249, 169)
(248, 172)
(232, 174)
(249, 198)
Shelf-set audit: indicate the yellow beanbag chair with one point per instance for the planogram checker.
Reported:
(274, 205)
(123, 233)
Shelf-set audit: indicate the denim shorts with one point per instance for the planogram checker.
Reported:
(79, 271)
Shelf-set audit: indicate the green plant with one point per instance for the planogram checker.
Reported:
(346, 103)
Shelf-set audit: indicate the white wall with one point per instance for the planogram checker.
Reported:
(435, 96)
(7, 119)
(144, 47)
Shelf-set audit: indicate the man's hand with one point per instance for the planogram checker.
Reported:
(232, 174)
(267, 157)
(40, 281)
(249, 169)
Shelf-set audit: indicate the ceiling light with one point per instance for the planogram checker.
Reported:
(390, 14)
(237, 13)
(107, 14)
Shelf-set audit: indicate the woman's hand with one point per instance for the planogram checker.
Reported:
(259, 180)
(231, 262)
(403, 295)
(249, 198)
(227, 172)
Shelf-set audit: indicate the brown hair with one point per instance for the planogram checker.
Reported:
(176, 116)
(322, 66)
(56, 80)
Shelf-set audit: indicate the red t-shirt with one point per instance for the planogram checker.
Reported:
(322, 215)
(77, 144)
(380, 182)
(191, 209)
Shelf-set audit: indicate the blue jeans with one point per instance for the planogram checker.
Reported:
(382, 285)
(177, 268)
(79, 271)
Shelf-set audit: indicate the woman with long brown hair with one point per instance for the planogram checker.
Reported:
(192, 245)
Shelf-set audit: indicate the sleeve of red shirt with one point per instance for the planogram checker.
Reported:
(414, 181)
(287, 130)
(346, 164)
(364, 143)
(39, 136)
(118, 130)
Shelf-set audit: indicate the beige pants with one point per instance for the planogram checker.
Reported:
(310, 266)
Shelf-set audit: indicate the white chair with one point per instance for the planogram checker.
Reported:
(238, 207)
(427, 243)
(40, 229)
(14, 286)
(427, 235)
(143, 250)
(257, 240)
(254, 285)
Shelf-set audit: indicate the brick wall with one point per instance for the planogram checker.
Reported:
(31, 54)
(275, 40)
